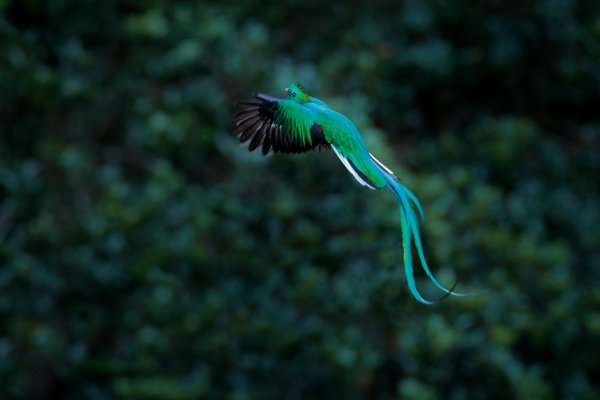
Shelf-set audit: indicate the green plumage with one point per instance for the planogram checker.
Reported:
(300, 123)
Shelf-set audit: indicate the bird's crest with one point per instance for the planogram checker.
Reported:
(297, 93)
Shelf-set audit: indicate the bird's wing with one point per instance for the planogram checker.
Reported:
(262, 125)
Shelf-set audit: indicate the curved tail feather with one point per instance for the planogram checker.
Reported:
(389, 174)
(410, 235)
(370, 172)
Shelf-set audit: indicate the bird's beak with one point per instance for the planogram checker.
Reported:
(286, 90)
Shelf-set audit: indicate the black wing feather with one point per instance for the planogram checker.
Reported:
(254, 122)
(247, 133)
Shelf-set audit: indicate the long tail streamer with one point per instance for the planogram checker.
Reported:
(410, 236)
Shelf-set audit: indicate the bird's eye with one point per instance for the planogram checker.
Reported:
(294, 94)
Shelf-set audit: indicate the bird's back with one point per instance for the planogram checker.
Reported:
(347, 141)
(338, 129)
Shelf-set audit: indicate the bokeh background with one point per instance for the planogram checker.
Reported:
(145, 255)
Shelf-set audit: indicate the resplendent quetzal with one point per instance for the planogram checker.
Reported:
(300, 123)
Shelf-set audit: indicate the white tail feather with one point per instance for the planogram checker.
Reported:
(350, 168)
(380, 165)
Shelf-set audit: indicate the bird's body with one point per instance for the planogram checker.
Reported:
(301, 123)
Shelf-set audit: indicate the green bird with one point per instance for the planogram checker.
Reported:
(299, 123)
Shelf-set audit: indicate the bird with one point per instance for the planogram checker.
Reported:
(299, 123)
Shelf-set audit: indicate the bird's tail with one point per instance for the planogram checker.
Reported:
(407, 202)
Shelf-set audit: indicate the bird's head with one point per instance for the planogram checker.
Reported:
(296, 93)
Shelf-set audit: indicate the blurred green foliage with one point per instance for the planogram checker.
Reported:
(144, 255)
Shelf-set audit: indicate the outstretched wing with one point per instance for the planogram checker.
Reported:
(257, 125)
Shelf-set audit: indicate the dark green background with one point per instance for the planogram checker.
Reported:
(144, 255)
